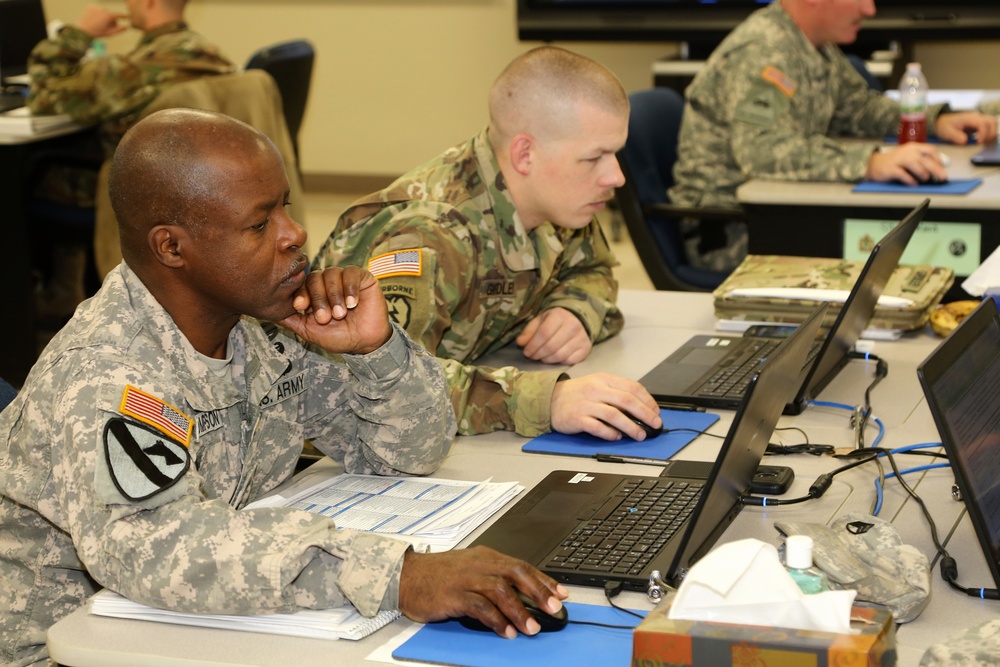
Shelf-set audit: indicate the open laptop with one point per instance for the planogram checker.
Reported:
(711, 371)
(22, 26)
(579, 527)
(961, 380)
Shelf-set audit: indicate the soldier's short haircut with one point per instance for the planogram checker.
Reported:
(540, 91)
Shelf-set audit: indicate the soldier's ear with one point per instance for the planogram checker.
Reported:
(522, 153)
(167, 243)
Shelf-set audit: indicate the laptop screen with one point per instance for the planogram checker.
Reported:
(22, 26)
(961, 380)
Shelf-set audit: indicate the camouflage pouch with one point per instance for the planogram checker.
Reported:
(864, 553)
(979, 646)
(922, 286)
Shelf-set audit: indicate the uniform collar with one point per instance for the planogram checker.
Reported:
(165, 29)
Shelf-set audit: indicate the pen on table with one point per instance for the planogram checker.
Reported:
(683, 407)
(642, 460)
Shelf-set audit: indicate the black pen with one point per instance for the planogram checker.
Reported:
(642, 460)
(683, 407)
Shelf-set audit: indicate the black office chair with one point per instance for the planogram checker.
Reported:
(653, 223)
(291, 65)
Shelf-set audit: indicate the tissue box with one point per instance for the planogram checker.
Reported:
(660, 641)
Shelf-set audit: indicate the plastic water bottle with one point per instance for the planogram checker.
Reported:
(799, 562)
(913, 105)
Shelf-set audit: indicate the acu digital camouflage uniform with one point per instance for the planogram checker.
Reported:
(75, 515)
(476, 278)
(979, 646)
(768, 104)
(112, 90)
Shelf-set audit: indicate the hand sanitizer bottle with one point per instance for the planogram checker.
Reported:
(799, 561)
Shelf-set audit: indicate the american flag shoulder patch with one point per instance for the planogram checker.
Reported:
(156, 413)
(780, 80)
(399, 263)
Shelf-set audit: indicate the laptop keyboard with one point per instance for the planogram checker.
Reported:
(731, 378)
(629, 530)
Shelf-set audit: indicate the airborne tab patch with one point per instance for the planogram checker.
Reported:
(141, 461)
(150, 410)
(780, 80)
(399, 263)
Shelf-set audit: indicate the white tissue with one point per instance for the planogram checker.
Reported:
(985, 277)
(744, 582)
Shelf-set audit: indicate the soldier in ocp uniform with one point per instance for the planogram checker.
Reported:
(164, 407)
(772, 102)
(109, 91)
(496, 241)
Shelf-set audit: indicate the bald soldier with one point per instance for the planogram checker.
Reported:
(165, 406)
(775, 101)
(495, 241)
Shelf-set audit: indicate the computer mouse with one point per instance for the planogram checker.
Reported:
(548, 622)
(651, 432)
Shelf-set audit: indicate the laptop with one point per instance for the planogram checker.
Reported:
(580, 527)
(712, 371)
(987, 157)
(22, 26)
(961, 380)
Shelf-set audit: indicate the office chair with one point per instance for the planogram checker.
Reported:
(654, 224)
(291, 65)
(7, 393)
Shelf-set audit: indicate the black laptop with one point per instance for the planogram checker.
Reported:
(712, 371)
(590, 528)
(961, 380)
(22, 26)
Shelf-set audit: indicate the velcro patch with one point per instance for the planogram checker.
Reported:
(781, 81)
(142, 462)
(160, 415)
(399, 263)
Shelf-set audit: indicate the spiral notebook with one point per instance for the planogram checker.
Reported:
(337, 623)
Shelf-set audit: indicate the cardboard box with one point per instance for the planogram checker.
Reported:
(660, 642)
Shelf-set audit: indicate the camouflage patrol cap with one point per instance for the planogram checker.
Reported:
(979, 646)
(864, 553)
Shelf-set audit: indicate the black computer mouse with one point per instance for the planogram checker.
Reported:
(651, 432)
(548, 622)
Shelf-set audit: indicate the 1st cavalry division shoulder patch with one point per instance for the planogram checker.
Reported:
(141, 460)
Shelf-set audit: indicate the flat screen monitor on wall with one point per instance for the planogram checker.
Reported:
(708, 21)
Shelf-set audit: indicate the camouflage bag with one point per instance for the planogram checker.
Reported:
(864, 553)
(979, 646)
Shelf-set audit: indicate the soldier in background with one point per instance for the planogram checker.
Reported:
(110, 91)
(772, 102)
(164, 407)
(496, 241)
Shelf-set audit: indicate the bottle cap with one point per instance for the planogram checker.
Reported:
(799, 551)
(913, 66)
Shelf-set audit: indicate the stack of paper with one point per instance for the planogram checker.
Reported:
(21, 122)
(336, 623)
(432, 513)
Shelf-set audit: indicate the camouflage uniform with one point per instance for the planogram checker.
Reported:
(768, 104)
(82, 508)
(463, 277)
(113, 90)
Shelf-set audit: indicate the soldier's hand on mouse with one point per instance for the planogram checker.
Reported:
(342, 310)
(555, 336)
(477, 582)
(910, 163)
(597, 403)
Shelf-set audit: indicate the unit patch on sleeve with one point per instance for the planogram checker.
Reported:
(142, 462)
(398, 263)
(150, 410)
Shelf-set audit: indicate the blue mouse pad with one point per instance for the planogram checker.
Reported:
(663, 446)
(448, 643)
(953, 187)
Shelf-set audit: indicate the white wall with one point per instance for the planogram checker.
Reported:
(397, 81)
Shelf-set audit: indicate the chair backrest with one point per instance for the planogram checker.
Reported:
(291, 65)
(647, 161)
(251, 97)
(7, 393)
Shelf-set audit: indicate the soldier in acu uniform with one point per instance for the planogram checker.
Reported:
(773, 102)
(165, 406)
(496, 241)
